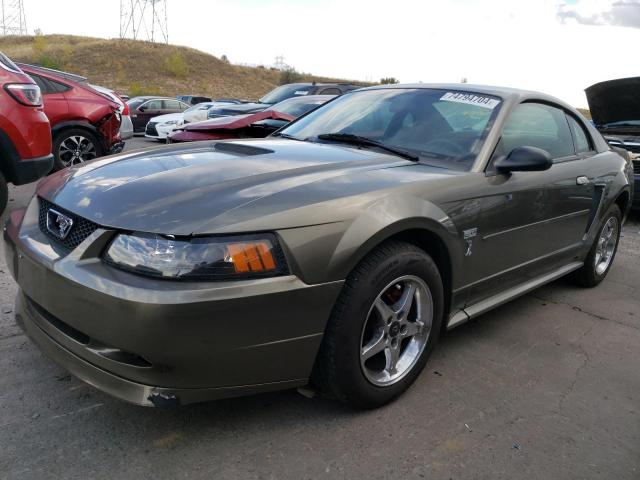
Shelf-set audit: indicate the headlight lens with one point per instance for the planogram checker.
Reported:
(171, 122)
(203, 259)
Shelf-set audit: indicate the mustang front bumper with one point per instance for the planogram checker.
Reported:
(154, 342)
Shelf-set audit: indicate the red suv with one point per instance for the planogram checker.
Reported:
(85, 123)
(25, 134)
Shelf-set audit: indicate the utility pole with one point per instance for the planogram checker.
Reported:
(13, 18)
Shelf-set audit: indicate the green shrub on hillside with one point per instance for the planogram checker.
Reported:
(136, 89)
(289, 75)
(176, 65)
(42, 55)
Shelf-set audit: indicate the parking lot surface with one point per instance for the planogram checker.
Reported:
(545, 387)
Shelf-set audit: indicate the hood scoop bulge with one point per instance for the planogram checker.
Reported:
(240, 149)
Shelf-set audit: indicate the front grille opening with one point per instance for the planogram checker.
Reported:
(97, 347)
(79, 232)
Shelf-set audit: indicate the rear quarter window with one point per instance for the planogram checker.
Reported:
(581, 137)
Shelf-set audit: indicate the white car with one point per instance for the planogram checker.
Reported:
(199, 112)
(161, 126)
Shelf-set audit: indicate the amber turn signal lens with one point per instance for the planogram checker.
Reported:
(251, 257)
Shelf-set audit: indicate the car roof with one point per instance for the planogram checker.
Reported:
(506, 93)
(154, 97)
(320, 84)
(71, 77)
(308, 98)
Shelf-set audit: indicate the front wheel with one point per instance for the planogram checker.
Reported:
(603, 251)
(74, 146)
(383, 327)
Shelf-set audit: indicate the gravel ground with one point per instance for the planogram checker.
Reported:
(546, 387)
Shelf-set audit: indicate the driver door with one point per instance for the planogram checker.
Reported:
(532, 222)
(146, 111)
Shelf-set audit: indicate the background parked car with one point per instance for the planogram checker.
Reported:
(282, 93)
(160, 127)
(615, 109)
(143, 109)
(193, 99)
(25, 132)
(199, 112)
(85, 123)
(255, 125)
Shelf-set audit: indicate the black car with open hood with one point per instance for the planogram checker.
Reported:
(615, 110)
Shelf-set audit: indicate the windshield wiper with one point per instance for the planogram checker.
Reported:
(364, 141)
(287, 136)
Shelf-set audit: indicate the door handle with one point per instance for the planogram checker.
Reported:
(582, 180)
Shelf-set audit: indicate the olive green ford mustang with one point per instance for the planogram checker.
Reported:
(332, 254)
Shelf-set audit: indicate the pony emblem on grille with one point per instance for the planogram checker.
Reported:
(58, 223)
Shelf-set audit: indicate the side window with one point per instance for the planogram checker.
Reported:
(581, 137)
(57, 87)
(153, 105)
(44, 88)
(171, 104)
(330, 91)
(537, 125)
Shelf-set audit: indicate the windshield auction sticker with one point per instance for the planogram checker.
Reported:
(471, 99)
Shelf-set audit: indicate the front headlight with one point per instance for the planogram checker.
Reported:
(200, 258)
(171, 122)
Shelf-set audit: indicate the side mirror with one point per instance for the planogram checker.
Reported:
(524, 159)
(142, 109)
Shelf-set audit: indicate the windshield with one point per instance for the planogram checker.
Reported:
(443, 127)
(286, 91)
(135, 102)
(297, 106)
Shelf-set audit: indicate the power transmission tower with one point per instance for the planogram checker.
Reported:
(144, 20)
(13, 19)
(279, 63)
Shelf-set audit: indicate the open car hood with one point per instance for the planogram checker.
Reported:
(237, 121)
(614, 100)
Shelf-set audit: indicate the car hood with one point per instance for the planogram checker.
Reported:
(614, 100)
(202, 187)
(166, 118)
(237, 121)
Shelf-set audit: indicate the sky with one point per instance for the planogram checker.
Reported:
(558, 47)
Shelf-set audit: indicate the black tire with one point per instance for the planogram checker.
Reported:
(58, 162)
(337, 372)
(4, 193)
(588, 275)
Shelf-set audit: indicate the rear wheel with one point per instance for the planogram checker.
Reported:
(603, 251)
(383, 327)
(74, 146)
(4, 193)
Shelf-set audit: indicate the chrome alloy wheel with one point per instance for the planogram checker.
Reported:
(606, 245)
(396, 330)
(76, 149)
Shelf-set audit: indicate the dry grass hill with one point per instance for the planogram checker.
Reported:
(135, 67)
